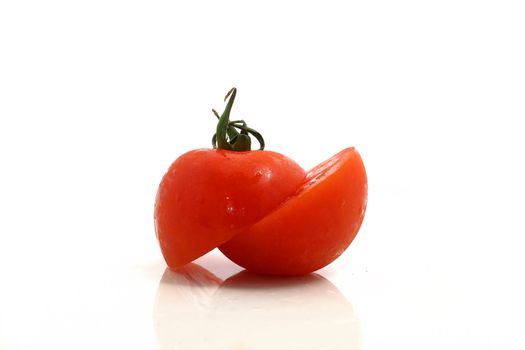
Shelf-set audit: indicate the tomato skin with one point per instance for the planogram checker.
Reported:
(208, 196)
(312, 228)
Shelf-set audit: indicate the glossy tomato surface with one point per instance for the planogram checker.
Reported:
(313, 227)
(208, 196)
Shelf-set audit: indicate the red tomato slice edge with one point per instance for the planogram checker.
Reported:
(310, 229)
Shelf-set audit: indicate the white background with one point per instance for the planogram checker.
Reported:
(97, 98)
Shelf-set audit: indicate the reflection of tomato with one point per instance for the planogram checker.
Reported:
(310, 229)
(208, 195)
(259, 207)
(196, 310)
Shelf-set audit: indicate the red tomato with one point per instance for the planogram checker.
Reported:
(209, 195)
(313, 227)
(260, 207)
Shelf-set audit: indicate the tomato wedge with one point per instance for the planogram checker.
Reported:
(310, 229)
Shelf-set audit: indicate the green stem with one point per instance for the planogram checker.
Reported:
(227, 137)
(232, 133)
(224, 120)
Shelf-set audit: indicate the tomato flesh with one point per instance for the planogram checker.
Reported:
(310, 229)
(208, 196)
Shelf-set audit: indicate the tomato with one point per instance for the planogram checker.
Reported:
(208, 195)
(259, 207)
(312, 228)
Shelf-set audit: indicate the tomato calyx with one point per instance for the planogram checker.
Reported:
(227, 137)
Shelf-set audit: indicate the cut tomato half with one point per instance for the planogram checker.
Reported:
(208, 196)
(310, 229)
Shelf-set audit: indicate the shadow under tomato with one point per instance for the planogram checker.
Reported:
(195, 309)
